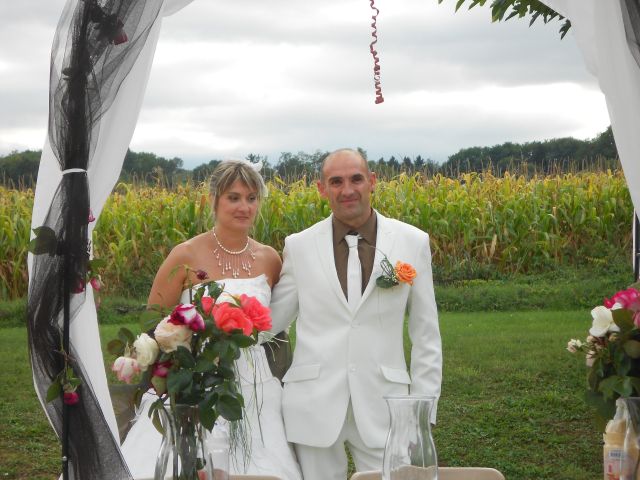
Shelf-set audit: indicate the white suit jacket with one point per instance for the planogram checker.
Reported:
(340, 354)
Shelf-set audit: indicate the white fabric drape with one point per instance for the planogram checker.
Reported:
(116, 130)
(598, 28)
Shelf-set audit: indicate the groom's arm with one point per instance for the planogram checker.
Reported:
(284, 298)
(426, 352)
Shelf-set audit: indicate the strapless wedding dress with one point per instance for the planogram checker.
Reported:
(267, 450)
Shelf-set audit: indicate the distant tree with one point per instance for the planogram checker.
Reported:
(20, 169)
(202, 172)
(145, 166)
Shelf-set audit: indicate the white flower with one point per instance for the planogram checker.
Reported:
(146, 350)
(602, 322)
(170, 336)
(574, 345)
(125, 368)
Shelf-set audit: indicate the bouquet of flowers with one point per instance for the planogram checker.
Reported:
(188, 356)
(612, 351)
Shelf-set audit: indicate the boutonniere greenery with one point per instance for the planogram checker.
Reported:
(392, 276)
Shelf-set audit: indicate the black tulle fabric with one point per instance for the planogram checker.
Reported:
(631, 17)
(89, 60)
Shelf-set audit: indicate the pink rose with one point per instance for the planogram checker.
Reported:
(259, 315)
(71, 398)
(125, 368)
(171, 336)
(207, 304)
(96, 283)
(229, 317)
(161, 369)
(91, 217)
(187, 315)
(625, 299)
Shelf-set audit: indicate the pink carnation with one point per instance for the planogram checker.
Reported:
(187, 315)
(259, 315)
(228, 317)
(625, 298)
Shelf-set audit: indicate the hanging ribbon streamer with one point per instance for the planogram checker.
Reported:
(374, 53)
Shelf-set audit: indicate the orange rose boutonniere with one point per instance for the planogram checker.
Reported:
(392, 276)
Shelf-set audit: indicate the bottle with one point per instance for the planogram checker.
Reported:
(613, 449)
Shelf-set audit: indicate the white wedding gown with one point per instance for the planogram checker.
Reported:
(268, 452)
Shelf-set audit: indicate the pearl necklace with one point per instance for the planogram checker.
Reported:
(233, 261)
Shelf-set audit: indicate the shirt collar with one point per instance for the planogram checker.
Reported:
(367, 230)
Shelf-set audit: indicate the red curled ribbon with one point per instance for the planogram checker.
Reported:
(374, 53)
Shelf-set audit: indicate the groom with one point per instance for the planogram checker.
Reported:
(349, 331)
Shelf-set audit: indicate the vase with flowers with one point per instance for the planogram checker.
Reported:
(187, 360)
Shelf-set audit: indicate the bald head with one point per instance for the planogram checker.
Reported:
(339, 156)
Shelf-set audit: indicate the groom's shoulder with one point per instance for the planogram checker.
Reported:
(405, 229)
(310, 232)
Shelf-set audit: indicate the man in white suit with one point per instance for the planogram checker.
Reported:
(349, 331)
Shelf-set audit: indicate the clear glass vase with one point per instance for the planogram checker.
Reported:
(183, 453)
(410, 453)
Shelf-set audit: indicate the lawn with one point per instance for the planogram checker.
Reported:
(511, 399)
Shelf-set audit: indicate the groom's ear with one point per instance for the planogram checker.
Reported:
(321, 188)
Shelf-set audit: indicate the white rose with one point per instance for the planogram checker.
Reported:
(126, 368)
(574, 345)
(170, 336)
(602, 322)
(146, 350)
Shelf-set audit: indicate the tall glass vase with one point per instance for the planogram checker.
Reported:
(183, 453)
(410, 453)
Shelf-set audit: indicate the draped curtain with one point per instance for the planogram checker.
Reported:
(607, 33)
(92, 116)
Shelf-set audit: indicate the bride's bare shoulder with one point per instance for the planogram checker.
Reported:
(184, 253)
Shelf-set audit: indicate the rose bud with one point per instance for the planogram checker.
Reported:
(187, 315)
(96, 283)
(201, 275)
(146, 350)
(91, 217)
(161, 369)
(120, 36)
(125, 368)
(71, 398)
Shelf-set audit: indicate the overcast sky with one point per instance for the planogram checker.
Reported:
(233, 77)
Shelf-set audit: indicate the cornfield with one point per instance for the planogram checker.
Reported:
(479, 224)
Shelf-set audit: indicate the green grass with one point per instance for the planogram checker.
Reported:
(511, 399)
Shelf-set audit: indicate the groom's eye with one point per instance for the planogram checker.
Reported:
(335, 182)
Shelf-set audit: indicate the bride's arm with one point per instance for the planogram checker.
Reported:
(170, 278)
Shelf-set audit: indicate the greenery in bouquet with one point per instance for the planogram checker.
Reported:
(188, 355)
(612, 351)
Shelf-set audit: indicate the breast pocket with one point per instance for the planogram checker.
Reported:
(301, 373)
(396, 375)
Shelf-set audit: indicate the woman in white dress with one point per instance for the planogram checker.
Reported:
(228, 255)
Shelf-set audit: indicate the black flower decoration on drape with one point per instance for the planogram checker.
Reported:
(95, 46)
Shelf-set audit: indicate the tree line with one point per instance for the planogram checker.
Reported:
(561, 155)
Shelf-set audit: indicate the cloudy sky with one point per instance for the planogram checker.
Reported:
(233, 77)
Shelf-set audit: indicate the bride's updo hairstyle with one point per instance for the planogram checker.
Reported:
(228, 171)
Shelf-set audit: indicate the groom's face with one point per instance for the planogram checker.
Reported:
(347, 184)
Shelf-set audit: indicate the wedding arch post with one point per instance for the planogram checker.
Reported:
(100, 62)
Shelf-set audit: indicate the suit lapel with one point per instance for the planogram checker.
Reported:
(385, 238)
(324, 246)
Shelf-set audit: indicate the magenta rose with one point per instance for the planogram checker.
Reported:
(259, 315)
(187, 315)
(161, 369)
(625, 298)
(228, 317)
(96, 283)
(70, 398)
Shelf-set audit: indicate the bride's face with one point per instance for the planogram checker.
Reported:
(237, 207)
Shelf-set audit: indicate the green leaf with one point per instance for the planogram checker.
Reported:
(623, 318)
(230, 407)
(184, 357)
(242, 341)
(159, 384)
(385, 282)
(208, 413)
(221, 347)
(204, 365)
(632, 348)
(45, 241)
(155, 420)
(54, 391)
(179, 380)
(125, 335)
(116, 347)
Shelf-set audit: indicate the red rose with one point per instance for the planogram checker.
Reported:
(207, 304)
(259, 315)
(228, 317)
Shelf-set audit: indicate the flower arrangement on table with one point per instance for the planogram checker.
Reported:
(612, 351)
(188, 358)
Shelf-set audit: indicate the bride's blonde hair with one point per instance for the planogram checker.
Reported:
(231, 170)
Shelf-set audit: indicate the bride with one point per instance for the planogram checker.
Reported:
(228, 255)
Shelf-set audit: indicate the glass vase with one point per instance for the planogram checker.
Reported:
(409, 453)
(183, 452)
